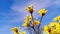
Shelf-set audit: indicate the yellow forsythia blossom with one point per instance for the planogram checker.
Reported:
(52, 24)
(23, 32)
(26, 24)
(27, 21)
(36, 22)
(15, 30)
(53, 28)
(28, 18)
(57, 18)
(42, 12)
(46, 28)
(30, 8)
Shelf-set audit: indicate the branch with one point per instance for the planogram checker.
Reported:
(39, 25)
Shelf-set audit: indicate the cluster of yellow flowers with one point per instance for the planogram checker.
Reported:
(36, 22)
(16, 31)
(30, 9)
(53, 27)
(29, 20)
(42, 12)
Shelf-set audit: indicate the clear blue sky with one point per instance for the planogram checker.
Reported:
(12, 12)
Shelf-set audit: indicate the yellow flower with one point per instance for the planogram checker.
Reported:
(27, 21)
(30, 8)
(46, 28)
(58, 26)
(28, 18)
(36, 22)
(53, 32)
(54, 27)
(26, 24)
(57, 18)
(23, 32)
(52, 24)
(15, 30)
(42, 12)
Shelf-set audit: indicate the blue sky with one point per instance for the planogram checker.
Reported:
(12, 12)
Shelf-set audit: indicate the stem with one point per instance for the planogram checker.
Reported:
(33, 22)
(39, 25)
(34, 30)
(32, 18)
(30, 31)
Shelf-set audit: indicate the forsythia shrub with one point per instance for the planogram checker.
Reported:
(31, 24)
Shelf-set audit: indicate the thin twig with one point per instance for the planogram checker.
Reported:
(33, 22)
(39, 25)
(30, 31)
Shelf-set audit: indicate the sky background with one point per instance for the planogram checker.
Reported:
(12, 12)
